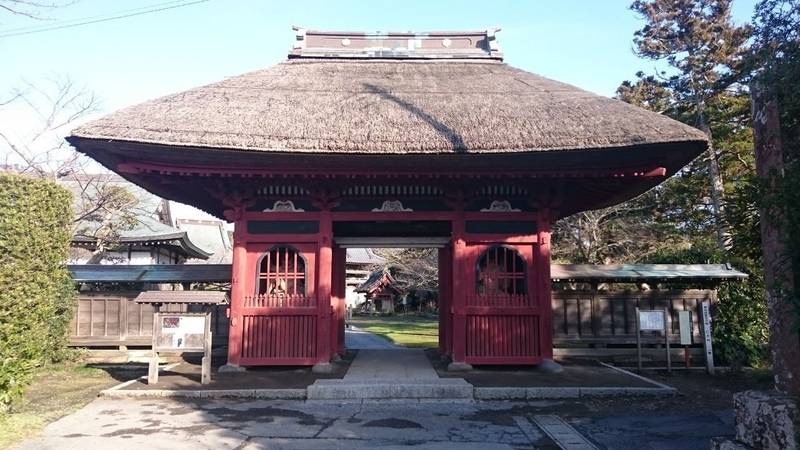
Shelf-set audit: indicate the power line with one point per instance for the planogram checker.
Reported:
(98, 19)
(49, 24)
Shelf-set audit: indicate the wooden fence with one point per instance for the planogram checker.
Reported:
(607, 318)
(580, 318)
(113, 319)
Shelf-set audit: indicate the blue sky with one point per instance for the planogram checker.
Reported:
(587, 43)
(583, 42)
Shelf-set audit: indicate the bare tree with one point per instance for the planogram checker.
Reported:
(623, 233)
(413, 268)
(104, 208)
(54, 106)
(31, 8)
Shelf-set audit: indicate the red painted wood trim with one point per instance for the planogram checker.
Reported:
(542, 254)
(500, 216)
(280, 311)
(461, 277)
(279, 216)
(324, 279)
(238, 277)
(339, 294)
(140, 167)
(393, 216)
(440, 258)
(281, 238)
(477, 360)
(501, 311)
(277, 362)
(490, 239)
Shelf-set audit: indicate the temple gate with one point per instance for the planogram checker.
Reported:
(395, 139)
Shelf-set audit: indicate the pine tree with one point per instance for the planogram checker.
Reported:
(700, 41)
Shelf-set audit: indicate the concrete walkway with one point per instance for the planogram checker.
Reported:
(173, 424)
(389, 373)
(157, 424)
(402, 365)
(357, 338)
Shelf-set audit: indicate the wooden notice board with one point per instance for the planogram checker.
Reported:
(181, 332)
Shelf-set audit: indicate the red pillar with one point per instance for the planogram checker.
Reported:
(324, 273)
(339, 293)
(459, 290)
(238, 277)
(544, 288)
(445, 302)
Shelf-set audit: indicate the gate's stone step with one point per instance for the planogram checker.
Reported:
(443, 388)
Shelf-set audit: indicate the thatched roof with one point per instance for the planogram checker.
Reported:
(379, 106)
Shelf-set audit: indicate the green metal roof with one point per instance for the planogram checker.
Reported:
(220, 273)
(644, 272)
(151, 273)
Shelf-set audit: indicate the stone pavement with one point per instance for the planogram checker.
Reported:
(122, 424)
(409, 364)
(357, 338)
(390, 373)
(165, 424)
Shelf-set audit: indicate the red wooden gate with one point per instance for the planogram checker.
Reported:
(502, 316)
(280, 312)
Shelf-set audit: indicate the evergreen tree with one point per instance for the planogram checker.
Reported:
(699, 40)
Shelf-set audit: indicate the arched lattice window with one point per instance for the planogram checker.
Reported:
(501, 270)
(282, 271)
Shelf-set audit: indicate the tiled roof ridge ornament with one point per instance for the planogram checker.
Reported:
(318, 44)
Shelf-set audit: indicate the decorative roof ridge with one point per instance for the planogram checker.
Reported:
(434, 45)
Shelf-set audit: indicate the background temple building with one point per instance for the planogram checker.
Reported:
(380, 289)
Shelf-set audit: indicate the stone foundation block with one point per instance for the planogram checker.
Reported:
(767, 420)
(727, 444)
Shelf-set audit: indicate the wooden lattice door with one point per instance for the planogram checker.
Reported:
(502, 320)
(280, 310)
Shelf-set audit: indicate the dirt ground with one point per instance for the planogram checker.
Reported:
(58, 391)
(187, 376)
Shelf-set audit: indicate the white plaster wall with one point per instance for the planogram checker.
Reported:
(352, 298)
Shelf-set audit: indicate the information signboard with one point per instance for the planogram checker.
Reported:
(651, 320)
(685, 327)
(181, 331)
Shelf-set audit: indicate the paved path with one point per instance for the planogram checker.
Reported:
(405, 365)
(164, 424)
(122, 424)
(357, 338)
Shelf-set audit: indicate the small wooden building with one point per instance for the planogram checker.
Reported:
(381, 289)
(391, 139)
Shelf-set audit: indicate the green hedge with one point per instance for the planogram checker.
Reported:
(36, 291)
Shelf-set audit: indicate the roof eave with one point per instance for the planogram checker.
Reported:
(182, 238)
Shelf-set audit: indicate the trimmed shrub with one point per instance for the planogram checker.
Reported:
(36, 291)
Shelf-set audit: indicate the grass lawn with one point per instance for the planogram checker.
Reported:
(56, 392)
(407, 330)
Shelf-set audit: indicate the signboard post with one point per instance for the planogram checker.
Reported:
(651, 320)
(685, 329)
(182, 331)
(152, 368)
(706, 312)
